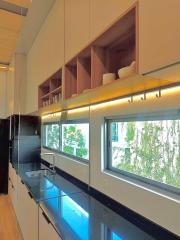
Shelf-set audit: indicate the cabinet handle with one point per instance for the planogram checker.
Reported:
(30, 195)
(12, 186)
(22, 182)
(46, 218)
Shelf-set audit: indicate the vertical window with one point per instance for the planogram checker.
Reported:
(75, 139)
(147, 148)
(51, 136)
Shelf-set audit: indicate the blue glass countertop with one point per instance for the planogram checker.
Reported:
(74, 214)
(81, 217)
(45, 187)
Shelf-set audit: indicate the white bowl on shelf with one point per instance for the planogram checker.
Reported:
(127, 71)
(108, 78)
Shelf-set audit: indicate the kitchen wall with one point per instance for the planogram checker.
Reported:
(147, 201)
(46, 55)
(3, 78)
(71, 25)
(10, 89)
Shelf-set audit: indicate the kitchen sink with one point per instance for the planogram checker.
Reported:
(39, 173)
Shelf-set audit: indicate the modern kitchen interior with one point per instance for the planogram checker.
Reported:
(89, 120)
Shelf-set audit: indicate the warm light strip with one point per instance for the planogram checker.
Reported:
(111, 103)
(57, 114)
(137, 97)
(46, 116)
(3, 67)
(133, 98)
(78, 110)
(171, 90)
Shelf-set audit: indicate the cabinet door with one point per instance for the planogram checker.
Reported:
(77, 26)
(46, 230)
(10, 189)
(27, 213)
(104, 13)
(159, 34)
(13, 186)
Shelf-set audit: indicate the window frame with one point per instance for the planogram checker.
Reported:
(60, 123)
(42, 134)
(170, 115)
(81, 121)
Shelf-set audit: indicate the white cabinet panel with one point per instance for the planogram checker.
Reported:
(159, 34)
(77, 26)
(13, 188)
(27, 213)
(46, 230)
(103, 13)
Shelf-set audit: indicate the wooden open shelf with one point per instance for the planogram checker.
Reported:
(118, 89)
(84, 71)
(114, 49)
(50, 91)
(71, 79)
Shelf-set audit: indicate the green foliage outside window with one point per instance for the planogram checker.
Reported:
(150, 149)
(74, 141)
(52, 134)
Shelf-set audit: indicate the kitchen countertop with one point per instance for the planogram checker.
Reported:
(45, 187)
(81, 217)
(75, 214)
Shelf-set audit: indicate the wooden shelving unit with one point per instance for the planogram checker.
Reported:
(50, 91)
(114, 49)
(71, 78)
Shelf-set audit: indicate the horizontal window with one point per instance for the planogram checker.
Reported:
(51, 136)
(75, 139)
(148, 148)
(70, 138)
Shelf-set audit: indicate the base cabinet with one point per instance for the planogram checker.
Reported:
(46, 230)
(27, 213)
(12, 187)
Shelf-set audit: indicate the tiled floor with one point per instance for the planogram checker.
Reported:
(8, 223)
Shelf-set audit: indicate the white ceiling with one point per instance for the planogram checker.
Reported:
(22, 3)
(33, 22)
(17, 33)
(10, 27)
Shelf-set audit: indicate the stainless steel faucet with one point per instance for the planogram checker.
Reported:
(52, 166)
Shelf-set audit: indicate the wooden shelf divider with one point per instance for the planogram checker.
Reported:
(49, 92)
(111, 51)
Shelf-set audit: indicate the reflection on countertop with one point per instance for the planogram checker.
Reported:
(81, 217)
(75, 214)
(44, 186)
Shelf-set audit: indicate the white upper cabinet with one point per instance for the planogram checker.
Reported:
(104, 13)
(77, 26)
(159, 34)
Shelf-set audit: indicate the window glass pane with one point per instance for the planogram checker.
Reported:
(150, 149)
(75, 139)
(51, 135)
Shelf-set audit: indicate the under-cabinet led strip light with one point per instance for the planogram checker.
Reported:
(133, 98)
(57, 114)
